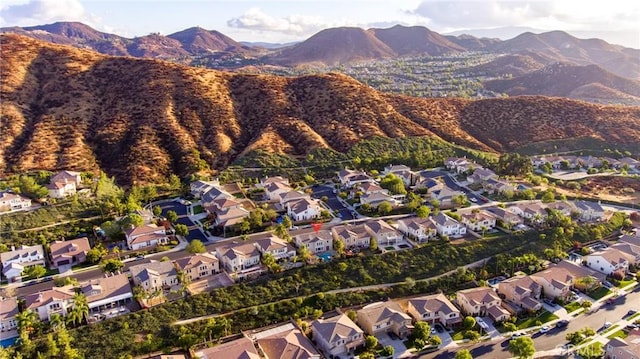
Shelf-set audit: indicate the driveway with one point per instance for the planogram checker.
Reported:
(333, 202)
(194, 230)
(399, 350)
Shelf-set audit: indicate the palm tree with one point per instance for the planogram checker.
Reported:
(27, 320)
(225, 324)
(210, 327)
(55, 321)
(80, 309)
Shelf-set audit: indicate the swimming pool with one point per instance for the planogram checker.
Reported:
(326, 256)
(7, 342)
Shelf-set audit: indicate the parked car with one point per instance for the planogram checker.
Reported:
(544, 329)
(549, 302)
(562, 323)
(516, 335)
(607, 325)
(631, 312)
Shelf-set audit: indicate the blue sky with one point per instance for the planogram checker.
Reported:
(283, 21)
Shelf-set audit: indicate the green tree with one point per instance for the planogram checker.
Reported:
(373, 244)
(111, 265)
(463, 354)
(548, 197)
(422, 331)
(30, 188)
(387, 351)
(423, 211)
(338, 246)
(172, 216)
(157, 211)
(469, 322)
(36, 271)
(95, 254)
(195, 247)
(245, 225)
(182, 230)
(371, 342)
(385, 207)
(80, 309)
(286, 222)
(367, 355)
(522, 347)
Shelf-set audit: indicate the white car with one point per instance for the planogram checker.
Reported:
(544, 329)
(607, 325)
(473, 199)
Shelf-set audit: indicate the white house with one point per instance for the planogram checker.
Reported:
(349, 178)
(107, 292)
(275, 189)
(68, 176)
(148, 235)
(315, 242)
(238, 256)
(55, 300)
(61, 189)
(478, 221)
(421, 229)
(352, 235)
(14, 262)
(481, 301)
(448, 226)
(198, 266)
(435, 308)
(382, 232)
(589, 211)
(198, 188)
(8, 312)
(303, 209)
(337, 335)
(555, 281)
(154, 276)
(609, 261)
(275, 246)
(12, 202)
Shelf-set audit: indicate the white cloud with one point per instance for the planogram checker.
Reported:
(255, 19)
(38, 12)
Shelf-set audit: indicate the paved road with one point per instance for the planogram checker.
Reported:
(332, 201)
(181, 210)
(450, 182)
(498, 349)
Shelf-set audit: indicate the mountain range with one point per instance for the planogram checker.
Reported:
(144, 119)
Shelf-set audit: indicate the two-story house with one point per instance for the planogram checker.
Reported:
(457, 164)
(315, 242)
(15, 261)
(8, 312)
(145, 236)
(435, 308)
(155, 276)
(198, 266)
(505, 218)
(286, 343)
(238, 256)
(482, 301)
(273, 190)
(480, 175)
(555, 282)
(352, 235)
(534, 212)
(627, 348)
(349, 178)
(12, 202)
(107, 292)
(303, 209)
(70, 252)
(478, 221)
(275, 246)
(57, 300)
(446, 196)
(199, 187)
(448, 226)
(589, 211)
(337, 336)
(382, 232)
(384, 317)
(419, 229)
(64, 184)
(522, 292)
(610, 260)
(242, 348)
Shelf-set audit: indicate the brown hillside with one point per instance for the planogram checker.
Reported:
(332, 47)
(514, 65)
(142, 120)
(197, 40)
(415, 40)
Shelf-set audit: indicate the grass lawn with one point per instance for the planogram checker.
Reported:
(494, 234)
(619, 334)
(635, 316)
(197, 209)
(611, 329)
(598, 293)
(530, 322)
(624, 283)
(573, 306)
(457, 334)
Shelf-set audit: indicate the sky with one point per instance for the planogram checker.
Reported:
(616, 21)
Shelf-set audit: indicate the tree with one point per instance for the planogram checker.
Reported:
(548, 197)
(367, 355)
(157, 211)
(286, 222)
(182, 230)
(80, 310)
(373, 244)
(338, 246)
(385, 207)
(423, 211)
(172, 216)
(95, 254)
(510, 327)
(195, 247)
(36, 271)
(30, 188)
(111, 265)
(522, 347)
(469, 322)
(387, 351)
(245, 225)
(421, 331)
(371, 342)
(463, 354)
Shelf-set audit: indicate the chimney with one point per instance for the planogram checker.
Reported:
(39, 297)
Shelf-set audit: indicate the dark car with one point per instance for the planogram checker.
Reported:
(631, 312)
(562, 324)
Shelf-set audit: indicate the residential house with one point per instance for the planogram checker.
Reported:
(634, 239)
(276, 247)
(337, 336)
(401, 171)
(275, 179)
(71, 252)
(107, 292)
(14, 261)
(630, 162)
(68, 176)
(61, 189)
(303, 209)
(521, 291)
(350, 178)
(286, 343)
(505, 218)
(198, 266)
(273, 190)
(315, 242)
(589, 211)
(435, 308)
(420, 229)
(383, 232)
(555, 281)
(457, 164)
(627, 348)
(631, 249)
(564, 207)
(212, 194)
(448, 226)
(12, 202)
(145, 236)
(533, 212)
(45, 303)
(610, 260)
(446, 196)
(221, 204)
(352, 235)
(481, 175)
(238, 257)
(384, 317)
(8, 312)
(374, 199)
(431, 184)
(199, 188)
(497, 186)
(482, 301)
(478, 221)
(242, 348)
(580, 272)
(230, 216)
(154, 276)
